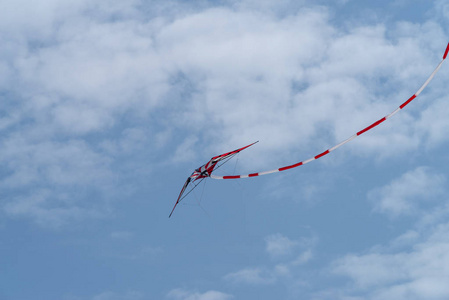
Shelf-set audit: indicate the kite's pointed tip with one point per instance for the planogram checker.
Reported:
(177, 201)
(447, 50)
(169, 216)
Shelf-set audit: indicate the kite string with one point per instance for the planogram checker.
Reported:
(202, 193)
(195, 185)
(198, 202)
(236, 162)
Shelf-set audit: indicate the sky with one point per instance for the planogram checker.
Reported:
(108, 106)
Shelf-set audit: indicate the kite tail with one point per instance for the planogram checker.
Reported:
(378, 122)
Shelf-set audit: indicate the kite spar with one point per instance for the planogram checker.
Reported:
(378, 122)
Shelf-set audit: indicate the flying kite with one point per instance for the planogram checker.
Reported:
(206, 170)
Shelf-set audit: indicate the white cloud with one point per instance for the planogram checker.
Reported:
(71, 162)
(303, 258)
(279, 245)
(48, 181)
(221, 76)
(432, 125)
(421, 272)
(406, 239)
(292, 254)
(185, 151)
(253, 276)
(445, 8)
(407, 194)
(243, 64)
(50, 209)
(337, 76)
(181, 294)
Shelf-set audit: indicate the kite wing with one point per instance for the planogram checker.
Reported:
(180, 194)
(230, 154)
(347, 140)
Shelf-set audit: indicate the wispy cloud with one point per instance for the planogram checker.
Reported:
(48, 180)
(407, 194)
(415, 264)
(289, 254)
(181, 294)
(279, 245)
(418, 273)
(51, 210)
(251, 276)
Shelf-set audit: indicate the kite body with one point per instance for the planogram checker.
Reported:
(206, 170)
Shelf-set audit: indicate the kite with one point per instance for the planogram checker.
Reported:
(206, 170)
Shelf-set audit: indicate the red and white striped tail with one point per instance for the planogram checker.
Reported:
(378, 122)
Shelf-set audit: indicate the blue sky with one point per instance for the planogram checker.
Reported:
(107, 107)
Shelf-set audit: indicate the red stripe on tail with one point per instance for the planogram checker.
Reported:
(290, 167)
(371, 126)
(407, 102)
(322, 154)
(231, 177)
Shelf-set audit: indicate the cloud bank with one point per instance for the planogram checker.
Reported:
(86, 86)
